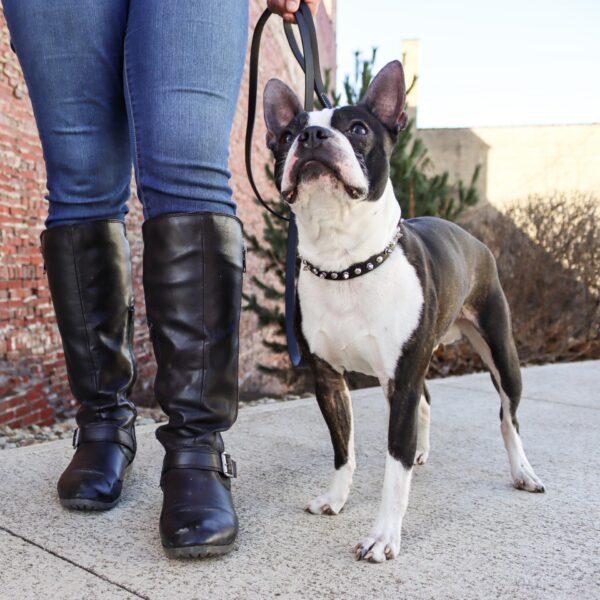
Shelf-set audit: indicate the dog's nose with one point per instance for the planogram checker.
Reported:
(314, 136)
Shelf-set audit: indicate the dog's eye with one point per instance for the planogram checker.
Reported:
(358, 129)
(286, 137)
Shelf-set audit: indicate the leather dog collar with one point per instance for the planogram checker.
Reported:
(359, 268)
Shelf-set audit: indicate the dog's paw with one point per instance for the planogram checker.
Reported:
(378, 548)
(325, 505)
(421, 456)
(526, 479)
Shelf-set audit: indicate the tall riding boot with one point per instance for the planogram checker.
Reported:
(193, 269)
(89, 275)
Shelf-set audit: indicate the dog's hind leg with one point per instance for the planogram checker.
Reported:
(490, 333)
(422, 453)
(335, 403)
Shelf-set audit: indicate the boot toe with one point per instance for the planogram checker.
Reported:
(208, 527)
(94, 478)
(198, 517)
(89, 484)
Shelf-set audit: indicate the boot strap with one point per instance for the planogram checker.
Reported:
(103, 433)
(205, 460)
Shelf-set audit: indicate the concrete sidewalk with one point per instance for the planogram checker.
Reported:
(467, 533)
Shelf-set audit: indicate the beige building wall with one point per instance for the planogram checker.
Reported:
(519, 161)
(515, 161)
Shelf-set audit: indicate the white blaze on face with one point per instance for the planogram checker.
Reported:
(321, 118)
(342, 154)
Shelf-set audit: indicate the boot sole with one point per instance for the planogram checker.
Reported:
(86, 505)
(202, 551)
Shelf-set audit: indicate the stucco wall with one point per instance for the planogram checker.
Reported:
(518, 161)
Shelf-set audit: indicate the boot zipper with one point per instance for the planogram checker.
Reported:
(130, 325)
(244, 258)
(153, 338)
(41, 250)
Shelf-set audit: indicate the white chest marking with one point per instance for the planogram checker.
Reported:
(362, 324)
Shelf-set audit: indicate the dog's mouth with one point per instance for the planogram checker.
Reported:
(310, 168)
(313, 168)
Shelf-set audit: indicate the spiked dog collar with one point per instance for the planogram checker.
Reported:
(359, 268)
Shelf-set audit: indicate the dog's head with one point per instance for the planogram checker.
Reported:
(346, 149)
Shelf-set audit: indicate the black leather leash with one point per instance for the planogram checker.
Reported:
(308, 60)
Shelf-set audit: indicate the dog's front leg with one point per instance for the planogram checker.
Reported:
(334, 401)
(383, 542)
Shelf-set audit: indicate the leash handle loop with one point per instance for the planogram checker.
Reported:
(308, 60)
(306, 22)
(252, 95)
(309, 63)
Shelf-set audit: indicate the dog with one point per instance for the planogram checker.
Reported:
(377, 294)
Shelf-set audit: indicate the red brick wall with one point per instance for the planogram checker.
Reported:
(33, 380)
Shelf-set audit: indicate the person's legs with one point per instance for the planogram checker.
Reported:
(183, 67)
(183, 63)
(71, 53)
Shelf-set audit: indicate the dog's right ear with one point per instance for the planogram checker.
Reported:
(280, 105)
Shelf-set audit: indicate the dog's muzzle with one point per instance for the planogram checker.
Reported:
(314, 156)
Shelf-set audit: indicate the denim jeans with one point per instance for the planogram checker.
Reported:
(153, 83)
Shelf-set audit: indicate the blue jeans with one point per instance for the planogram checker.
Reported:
(115, 82)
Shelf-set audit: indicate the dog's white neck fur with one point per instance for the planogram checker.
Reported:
(335, 231)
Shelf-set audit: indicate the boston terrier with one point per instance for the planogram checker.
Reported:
(377, 294)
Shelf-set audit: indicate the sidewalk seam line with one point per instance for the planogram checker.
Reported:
(524, 397)
(71, 562)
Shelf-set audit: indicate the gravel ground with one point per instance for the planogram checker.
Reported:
(36, 434)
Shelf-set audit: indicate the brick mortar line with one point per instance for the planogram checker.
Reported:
(71, 562)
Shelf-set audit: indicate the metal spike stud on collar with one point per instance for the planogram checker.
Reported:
(356, 269)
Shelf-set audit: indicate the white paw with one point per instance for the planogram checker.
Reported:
(379, 547)
(326, 504)
(421, 456)
(526, 479)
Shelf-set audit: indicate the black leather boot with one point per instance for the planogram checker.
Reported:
(89, 275)
(193, 270)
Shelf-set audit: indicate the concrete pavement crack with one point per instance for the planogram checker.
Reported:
(71, 562)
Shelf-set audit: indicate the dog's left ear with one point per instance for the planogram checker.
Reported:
(280, 105)
(386, 95)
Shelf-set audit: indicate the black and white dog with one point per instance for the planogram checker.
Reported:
(377, 294)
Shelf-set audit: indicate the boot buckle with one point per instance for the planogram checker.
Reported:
(228, 464)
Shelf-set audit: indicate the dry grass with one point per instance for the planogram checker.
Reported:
(548, 255)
